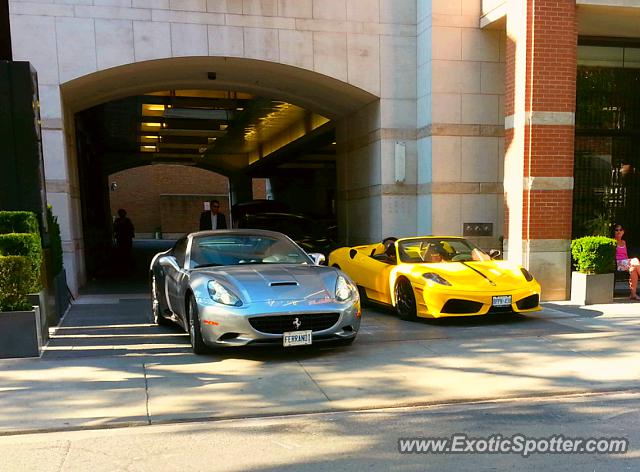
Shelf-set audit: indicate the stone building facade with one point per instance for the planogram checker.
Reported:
(447, 111)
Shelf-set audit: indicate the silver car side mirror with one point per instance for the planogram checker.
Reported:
(318, 258)
(169, 260)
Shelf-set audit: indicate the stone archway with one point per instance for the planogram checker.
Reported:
(353, 110)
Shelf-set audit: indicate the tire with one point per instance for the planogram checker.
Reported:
(195, 334)
(155, 305)
(405, 300)
(364, 300)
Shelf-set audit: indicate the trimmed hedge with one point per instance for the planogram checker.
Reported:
(55, 241)
(18, 222)
(15, 273)
(27, 245)
(594, 254)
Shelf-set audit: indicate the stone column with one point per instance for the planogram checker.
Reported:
(539, 137)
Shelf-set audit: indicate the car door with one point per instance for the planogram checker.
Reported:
(373, 275)
(174, 275)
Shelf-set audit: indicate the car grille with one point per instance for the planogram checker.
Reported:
(278, 324)
(529, 302)
(498, 310)
(457, 307)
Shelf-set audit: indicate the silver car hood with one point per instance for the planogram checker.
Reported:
(265, 282)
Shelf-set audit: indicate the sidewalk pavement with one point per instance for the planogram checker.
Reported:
(108, 366)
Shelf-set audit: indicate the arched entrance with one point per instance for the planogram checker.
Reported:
(242, 118)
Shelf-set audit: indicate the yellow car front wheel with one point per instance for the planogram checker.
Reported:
(405, 300)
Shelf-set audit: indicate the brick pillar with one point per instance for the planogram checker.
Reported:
(539, 138)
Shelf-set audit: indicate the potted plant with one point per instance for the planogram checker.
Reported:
(19, 321)
(21, 327)
(594, 259)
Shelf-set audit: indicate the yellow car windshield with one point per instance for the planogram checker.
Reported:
(436, 250)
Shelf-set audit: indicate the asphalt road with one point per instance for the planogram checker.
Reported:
(349, 441)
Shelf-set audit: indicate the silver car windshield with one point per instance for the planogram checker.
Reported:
(436, 250)
(224, 250)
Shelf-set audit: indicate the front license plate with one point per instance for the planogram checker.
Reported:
(502, 301)
(296, 338)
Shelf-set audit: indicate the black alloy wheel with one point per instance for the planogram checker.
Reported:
(155, 305)
(195, 334)
(405, 300)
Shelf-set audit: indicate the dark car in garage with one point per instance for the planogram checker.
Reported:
(312, 235)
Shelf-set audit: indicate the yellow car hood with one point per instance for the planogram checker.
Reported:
(474, 275)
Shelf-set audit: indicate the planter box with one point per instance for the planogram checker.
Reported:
(20, 334)
(591, 289)
(40, 300)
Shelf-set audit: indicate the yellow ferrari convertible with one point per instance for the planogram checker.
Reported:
(437, 276)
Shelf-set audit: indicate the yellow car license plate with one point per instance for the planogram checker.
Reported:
(504, 300)
(296, 338)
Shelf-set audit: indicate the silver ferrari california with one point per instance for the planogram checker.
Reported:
(240, 287)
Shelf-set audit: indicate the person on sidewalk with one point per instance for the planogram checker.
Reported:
(624, 263)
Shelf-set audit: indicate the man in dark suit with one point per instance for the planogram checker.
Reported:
(212, 219)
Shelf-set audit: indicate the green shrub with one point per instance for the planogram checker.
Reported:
(55, 242)
(594, 254)
(15, 272)
(18, 222)
(27, 245)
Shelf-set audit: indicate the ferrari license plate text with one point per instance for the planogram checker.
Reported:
(296, 338)
(504, 300)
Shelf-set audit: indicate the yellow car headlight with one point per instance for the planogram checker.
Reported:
(527, 274)
(433, 277)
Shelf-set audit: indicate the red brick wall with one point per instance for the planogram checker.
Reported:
(180, 214)
(548, 151)
(551, 150)
(555, 50)
(140, 189)
(548, 216)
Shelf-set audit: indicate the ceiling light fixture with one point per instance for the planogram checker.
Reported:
(152, 107)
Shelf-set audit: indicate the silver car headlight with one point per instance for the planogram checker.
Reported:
(433, 277)
(344, 289)
(220, 294)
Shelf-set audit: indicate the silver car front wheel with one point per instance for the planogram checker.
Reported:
(195, 334)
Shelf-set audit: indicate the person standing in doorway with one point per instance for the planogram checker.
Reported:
(624, 263)
(123, 232)
(212, 219)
